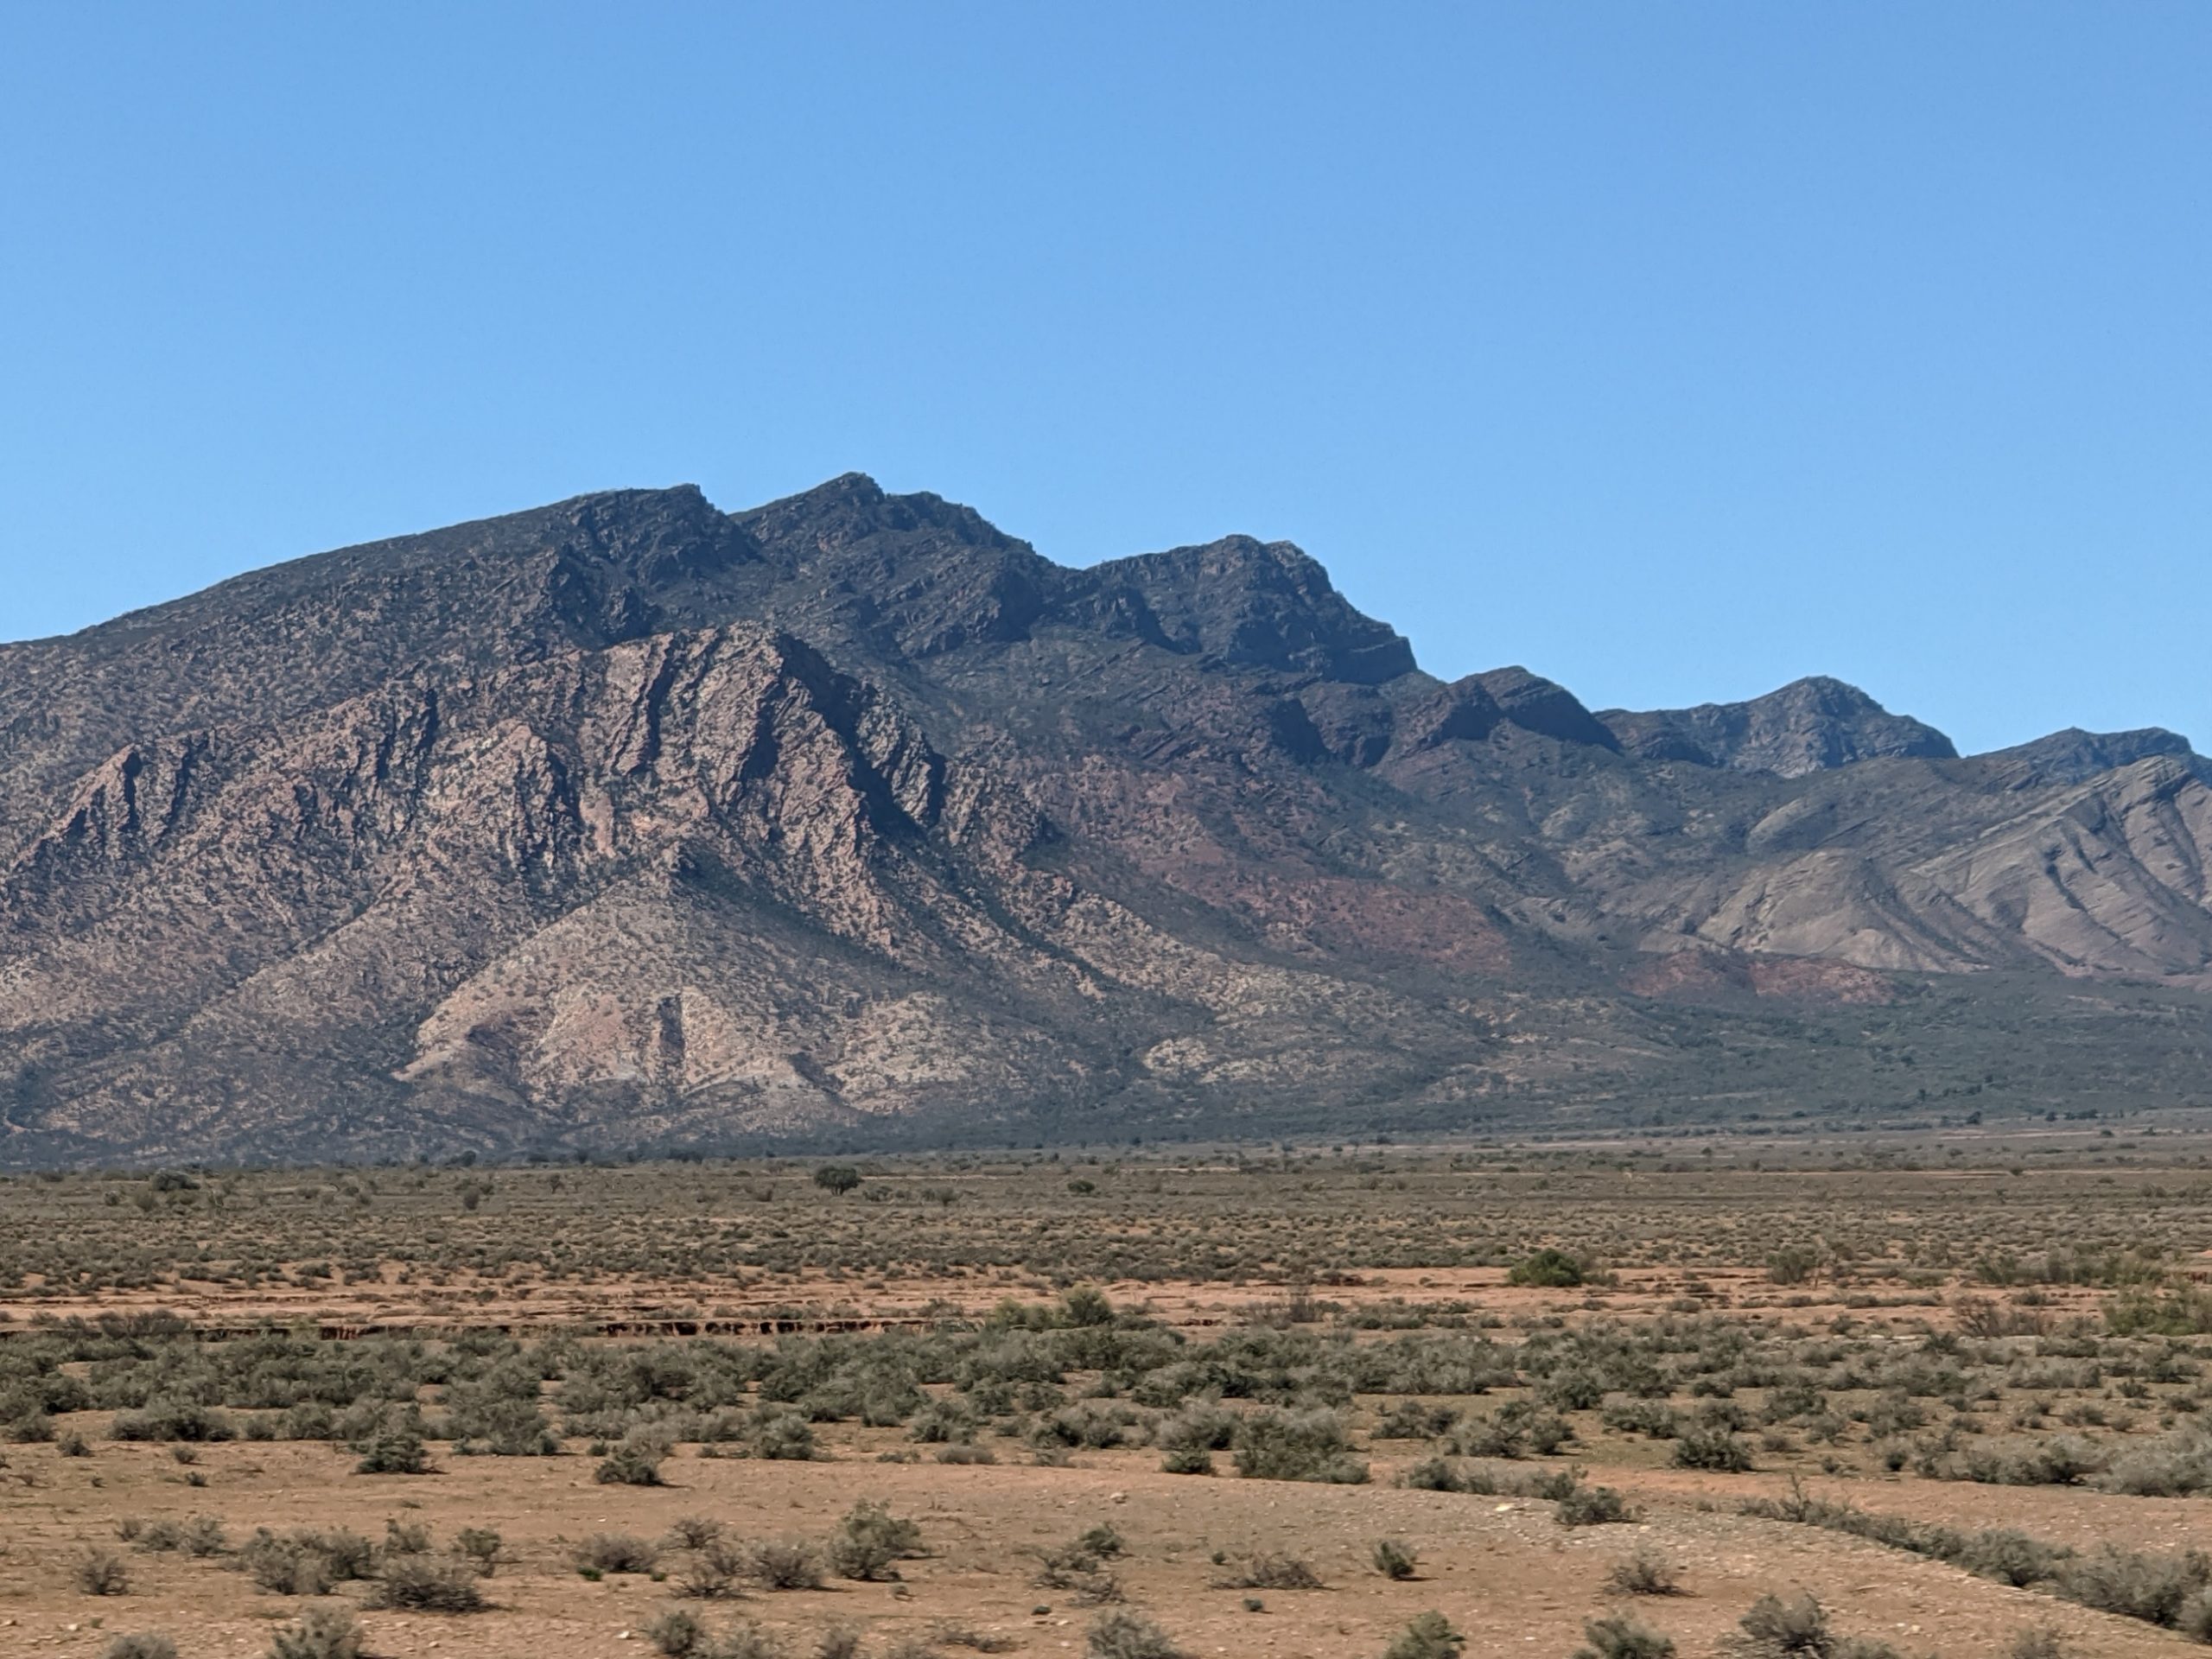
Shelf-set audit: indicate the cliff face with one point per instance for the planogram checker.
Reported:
(627, 822)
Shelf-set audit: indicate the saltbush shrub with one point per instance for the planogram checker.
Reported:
(1298, 1446)
(870, 1540)
(1429, 1635)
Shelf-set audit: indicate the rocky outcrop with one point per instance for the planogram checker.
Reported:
(1538, 705)
(2074, 756)
(912, 575)
(1244, 603)
(1809, 725)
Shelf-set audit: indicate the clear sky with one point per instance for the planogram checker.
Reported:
(1674, 350)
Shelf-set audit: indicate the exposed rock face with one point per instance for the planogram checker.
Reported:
(628, 822)
(1809, 725)
(1535, 704)
(1246, 603)
(2074, 756)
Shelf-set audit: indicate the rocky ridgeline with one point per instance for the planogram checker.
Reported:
(627, 821)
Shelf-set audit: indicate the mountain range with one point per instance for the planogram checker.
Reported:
(628, 824)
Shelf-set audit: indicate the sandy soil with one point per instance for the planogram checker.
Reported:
(1505, 1571)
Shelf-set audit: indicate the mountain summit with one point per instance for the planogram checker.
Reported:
(629, 823)
(1809, 725)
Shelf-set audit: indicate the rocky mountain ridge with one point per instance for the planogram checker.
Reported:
(629, 822)
(1809, 725)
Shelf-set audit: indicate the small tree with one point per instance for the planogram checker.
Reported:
(1553, 1269)
(1086, 1305)
(839, 1178)
(1794, 1264)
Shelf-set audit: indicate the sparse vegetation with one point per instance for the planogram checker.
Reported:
(787, 1566)
(1979, 1342)
(1276, 1572)
(2158, 1589)
(617, 1551)
(1549, 1268)
(675, 1633)
(396, 1451)
(1789, 1626)
(1593, 1506)
(1712, 1448)
(1394, 1560)
(1428, 1636)
(1645, 1573)
(636, 1462)
(1298, 1446)
(870, 1540)
(1616, 1635)
(480, 1548)
(102, 1573)
(1124, 1634)
(711, 1569)
(328, 1632)
(426, 1584)
(1080, 1566)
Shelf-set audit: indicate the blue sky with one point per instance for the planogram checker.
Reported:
(1674, 351)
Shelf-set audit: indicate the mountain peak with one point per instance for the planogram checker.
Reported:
(657, 536)
(1253, 603)
(1814, 724)
(1536, 704)
(1825, 692)
(857, 489)
(2073, 755)
(853, 508)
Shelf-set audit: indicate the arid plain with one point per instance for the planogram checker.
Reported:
(1126, 1402)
